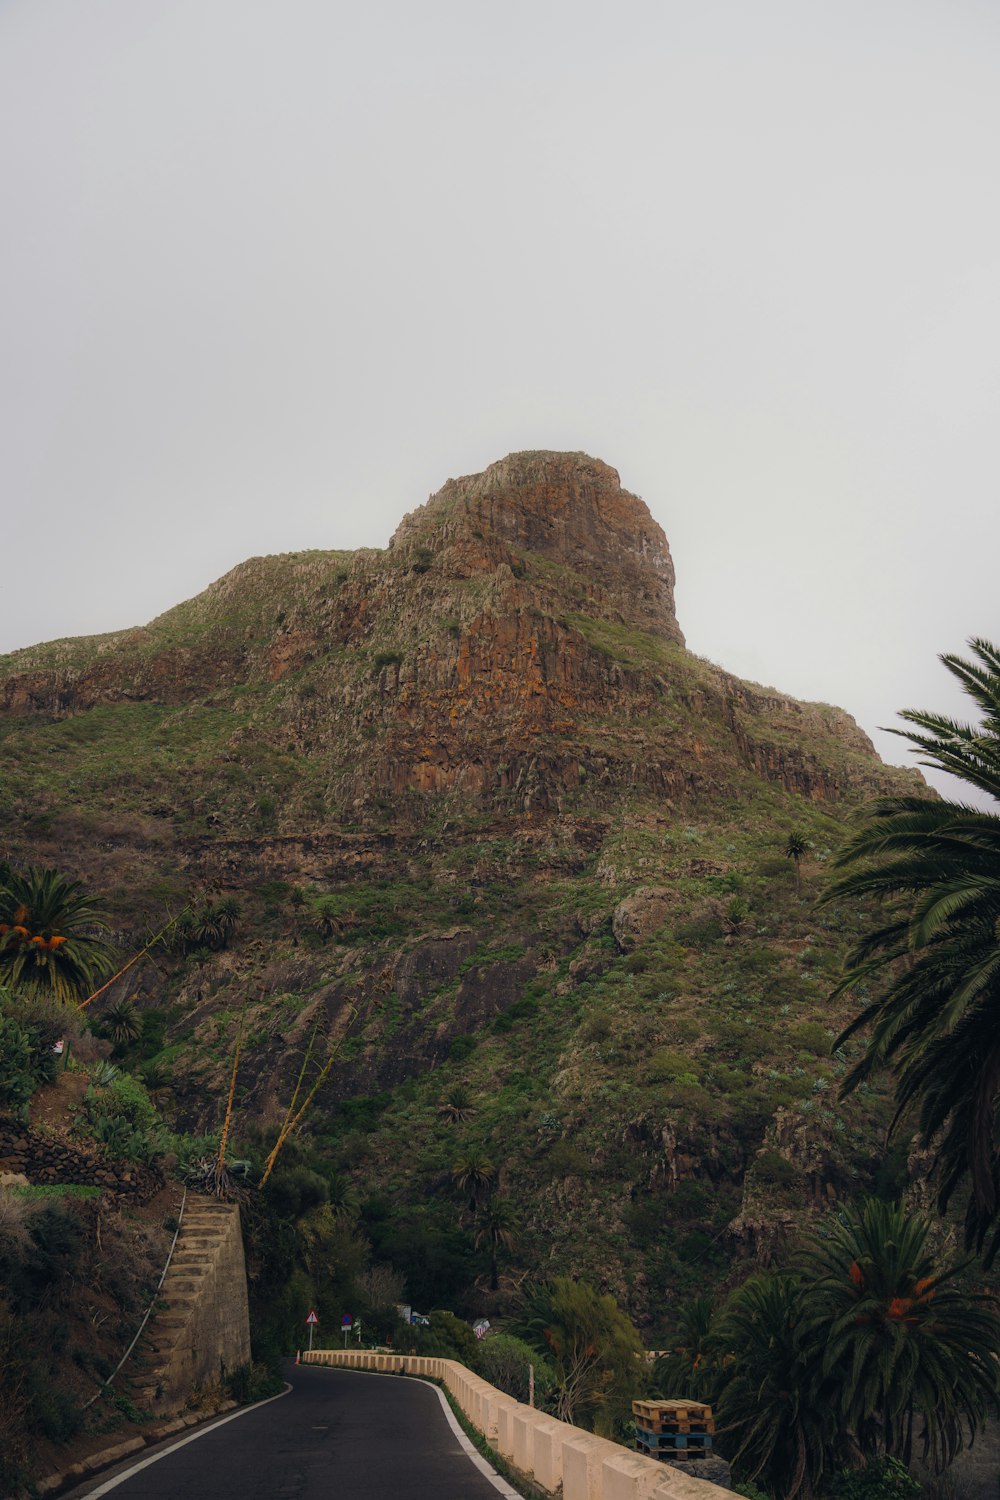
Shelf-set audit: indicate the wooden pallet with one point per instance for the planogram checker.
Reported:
(651, 1425)
(679, 1440)
(679, 1455)
(677, 1411)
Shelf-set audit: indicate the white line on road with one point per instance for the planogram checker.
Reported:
(471, 1451)
(112, 1484)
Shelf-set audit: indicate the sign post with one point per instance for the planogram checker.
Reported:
(312, 1320)
(345, 1324)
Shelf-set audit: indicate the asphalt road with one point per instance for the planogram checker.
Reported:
(337, 1435)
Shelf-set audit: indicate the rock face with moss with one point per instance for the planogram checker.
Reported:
(539, 851)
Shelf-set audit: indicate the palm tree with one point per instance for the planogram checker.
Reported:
(898, 1338)
(935, 866)
(691, 1366)
(456, 1105)
(475, 1175)
(122, 1022)
(496, 1221)
(774, 1402)
(226, 916)
(49, 939)
(795, 847)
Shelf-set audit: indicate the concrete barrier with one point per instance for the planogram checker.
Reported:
(560, 1458)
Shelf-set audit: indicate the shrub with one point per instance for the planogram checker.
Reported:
(122, 1117)
(811, 1037)
(29, 1027)
(504, 1361)
(446, 1338)
(774, 1169)
(17, 1075)
(461, 1047)
(597, 1027)
(666, 1066)
(881, 1479)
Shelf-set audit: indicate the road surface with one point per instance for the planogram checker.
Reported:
(338, 1434)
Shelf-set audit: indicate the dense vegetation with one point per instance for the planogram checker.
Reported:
(586, 1065)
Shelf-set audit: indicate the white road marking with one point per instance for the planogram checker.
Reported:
(112, 1484)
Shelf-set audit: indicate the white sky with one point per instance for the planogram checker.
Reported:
(271, 272)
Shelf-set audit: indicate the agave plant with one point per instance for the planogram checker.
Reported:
(228, 1180)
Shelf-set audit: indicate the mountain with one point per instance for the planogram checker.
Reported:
(490, 823)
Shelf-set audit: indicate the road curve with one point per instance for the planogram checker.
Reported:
(338, 1433)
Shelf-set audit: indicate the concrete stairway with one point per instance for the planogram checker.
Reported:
(200, 1328)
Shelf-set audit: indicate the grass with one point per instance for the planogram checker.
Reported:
(54, 1190)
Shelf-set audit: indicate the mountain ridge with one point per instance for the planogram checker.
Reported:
(479, 797)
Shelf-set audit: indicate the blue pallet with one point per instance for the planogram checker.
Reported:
(702, 1440)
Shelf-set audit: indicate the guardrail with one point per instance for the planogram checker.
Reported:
(560, 1458)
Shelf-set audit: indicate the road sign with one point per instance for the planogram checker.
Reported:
(346, 1321)
(312, 1318)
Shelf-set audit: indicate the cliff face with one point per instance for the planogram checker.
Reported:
(516, 641)
(539, 849)
(567, 509)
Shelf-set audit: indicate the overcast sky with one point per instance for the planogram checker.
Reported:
(271, 272)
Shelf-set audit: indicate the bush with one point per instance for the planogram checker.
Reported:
(17, 1075)
(504, 1361)
(29, 1028)
(446, 1338)
(882, 1479)
(122, 1117)
(253, 1382)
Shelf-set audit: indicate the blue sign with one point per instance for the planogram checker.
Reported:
(346, 1321)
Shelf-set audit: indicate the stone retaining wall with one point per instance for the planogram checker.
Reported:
(46, 1159)
(561, 1459)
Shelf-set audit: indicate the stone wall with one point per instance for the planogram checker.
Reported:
(45, 1159)
(560, 1459)
(201, 1330)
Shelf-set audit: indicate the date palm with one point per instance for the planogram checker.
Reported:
(474, 1175)
(496, 1223)
(456, 1105)
(934, 867)
(50, 939)
(901, 1341)
(775, 1405)
(122, 1022)
(796, 846)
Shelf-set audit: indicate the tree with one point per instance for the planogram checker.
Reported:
(122, 1022)
(691, 1366)
(476, 1176)
(934, 865)
(456, 1104)
(590, 1343)
(774, 1403)
(49, 940)
(899, 1339)
(496, 1221)
(796, 846)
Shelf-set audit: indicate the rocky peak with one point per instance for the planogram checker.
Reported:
(566, 508)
